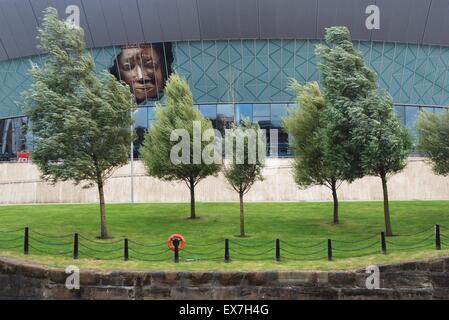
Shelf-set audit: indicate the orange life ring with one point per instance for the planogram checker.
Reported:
(178, 237)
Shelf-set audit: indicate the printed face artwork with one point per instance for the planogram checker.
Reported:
(144, 68)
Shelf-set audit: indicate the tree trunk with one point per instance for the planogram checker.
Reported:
(242, 217)
(335, 197)
(104, 227)
(388, 230)
(192, 200)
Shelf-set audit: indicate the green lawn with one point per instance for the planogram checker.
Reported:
(302, 227)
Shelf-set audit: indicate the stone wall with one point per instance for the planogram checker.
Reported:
(20, 183)
(414, 280)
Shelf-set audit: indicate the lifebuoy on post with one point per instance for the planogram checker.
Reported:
(182, 242)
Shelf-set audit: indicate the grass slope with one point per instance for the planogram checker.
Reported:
(302, 227)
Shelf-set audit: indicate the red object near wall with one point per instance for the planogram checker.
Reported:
(23, 156)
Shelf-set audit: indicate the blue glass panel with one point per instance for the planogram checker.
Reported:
(411, 114)
(151, 115)
(140, 117)
(225, 116)
(209, 111)
(261, 110)
(427, 109)
(278, 111)
(400, 111)
(243, 111)
(225, 111)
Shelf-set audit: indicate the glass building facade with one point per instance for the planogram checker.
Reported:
(232, 80)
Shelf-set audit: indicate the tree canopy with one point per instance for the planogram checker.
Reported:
(81, 121)
(307, 126)
(346, 81)
(243, 169)
(433, 140)
(364, 135)
(174, 145)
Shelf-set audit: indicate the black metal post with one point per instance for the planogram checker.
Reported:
(176, 244)
(278, 250)
(226, 255)
(383, 242)
(26, 242)
(329, 249)
(75, 246)
(437, 237)
(125, 250)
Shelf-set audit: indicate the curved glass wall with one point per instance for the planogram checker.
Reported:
(14, 136)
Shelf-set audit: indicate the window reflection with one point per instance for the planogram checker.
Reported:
(262, 115)
(261, 110)
(411, 114)
(278, 111)
(243, 111)
(151, 115)
(209, 111)
(225, 117)
(439, 109)
(141, 117)
(400, 111)
(13, 137)
(426, 109)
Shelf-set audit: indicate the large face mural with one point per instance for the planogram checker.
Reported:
(145, 68)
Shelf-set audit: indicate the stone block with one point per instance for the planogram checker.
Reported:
(316, 293)
(196, 279)
(106, 293)
(260, 278)
(436, 266)
(198, 293)
(229, 278)
(342, 279)
(279, 293)
(364, 294)
(226, 293)
(405, 279)
(440, 280)
(166, 279)
(297, 278)
(156, 293)
(90, 278)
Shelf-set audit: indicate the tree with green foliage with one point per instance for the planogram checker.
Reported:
(80, 120)
(245, 166)
(307, 126)
(167, 158)
(386, 144)
(364, 134)
(346, 82)
(433, 140)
